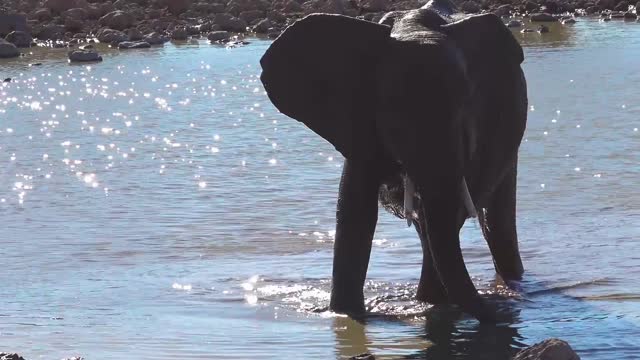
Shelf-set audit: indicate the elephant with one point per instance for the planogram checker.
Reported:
(428, 108)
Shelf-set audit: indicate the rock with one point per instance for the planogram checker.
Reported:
(230, 23)
(621, 6)
(542, 17)
(8, 50)
(251, 15)
(111, 36)
(155, 39)
(514, 23)
(84, 56)
(470, 7)
(263, 26)
(531, 6)
(550, 349)
(568, 21)
(59, 6)
(592, 10)
(373, 5)
(134, 45)
(503, 10)
(12, 22)
(215, 36)
(42, 15)
(341, 7)
(76, 14)
(179, 34)
(276, 16)
(178, 6)
(134, 34)
(616, 15)
(630, 16)
(118, 20)
(73, 24)
(542, 29)
(235, 7)
(20, 39)
(51, 32)
(365, 356)
(292, 6)
(527, 30)
(605, 4)
(8, 356)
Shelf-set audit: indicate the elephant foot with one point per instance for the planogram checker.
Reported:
(512, 272)
(432, 293)
(351, 306)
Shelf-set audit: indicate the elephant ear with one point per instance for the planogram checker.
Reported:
(485, 41)
(320, 71)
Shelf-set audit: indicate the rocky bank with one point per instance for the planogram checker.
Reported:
(143, 23)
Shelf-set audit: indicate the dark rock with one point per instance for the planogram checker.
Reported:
(527, 30)
(550, 349)
(630, 16)
(566, 21)
(230, 23)
(514, 23)
(8, 50)
(12, 22)
(84, 56)
(341, 7)
(59, 6)
(235, 7)
(111, 36)
(531, 6)
(592, 10)
(42, 15)
(503, 10)
(8, 356)
(251, 15)
(215, 36)
(291, 7)
(73, 24)
(51, 32)
(178, 6)
(542, 17)
(179, 33)
(470, 7)
(155, 39)
(263, 26)
(20, 39)
(134, 45)
(605, 4)
(542, 29)
(374, 5)
(134, 34)
(118, 20)
(622, 6)
(76, 14)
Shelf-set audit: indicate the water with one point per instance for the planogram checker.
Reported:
(157, 206)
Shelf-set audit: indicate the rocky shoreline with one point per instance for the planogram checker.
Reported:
(133, 24)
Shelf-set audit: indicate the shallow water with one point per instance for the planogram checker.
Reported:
(156, 206)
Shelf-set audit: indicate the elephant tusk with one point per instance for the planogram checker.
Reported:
(409, 193)
(468, 202)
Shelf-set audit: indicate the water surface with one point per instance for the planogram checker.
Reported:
(156, 205)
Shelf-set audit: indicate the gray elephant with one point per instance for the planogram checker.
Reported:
(428, 108)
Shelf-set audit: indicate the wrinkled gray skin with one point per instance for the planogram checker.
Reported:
(426, 95)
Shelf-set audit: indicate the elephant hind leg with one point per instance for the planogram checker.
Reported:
(430, 288)
(498, 222)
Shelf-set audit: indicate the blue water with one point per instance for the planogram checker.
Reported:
(156, 206)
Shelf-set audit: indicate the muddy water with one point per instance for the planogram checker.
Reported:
(157, 206)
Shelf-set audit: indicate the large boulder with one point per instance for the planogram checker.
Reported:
(12, 22)
(373, 5)
(178, 6)
(470, 7)
(230, 23)
(134, 45)
(21, 39)
(111, 36)
(59, 6)
(76, 14)
(118, 20)
(84, 56)
(550, 349)
(155, 38)
(51, 32)
(216, 36)
(542, 17)
(235, 7)
(8, 50)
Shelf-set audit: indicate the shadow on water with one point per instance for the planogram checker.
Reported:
(444, 332)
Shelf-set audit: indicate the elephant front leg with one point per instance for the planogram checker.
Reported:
(356, 219)
(499, 228)
(430, 288)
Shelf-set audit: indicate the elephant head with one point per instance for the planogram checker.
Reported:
(405, 88)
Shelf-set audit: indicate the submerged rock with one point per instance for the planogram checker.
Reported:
(155, 39)
(218, 36)
(8, 50)
(514, 23)
(134, 45)
(550, 349)
(112, 36)
(543, 29)
(84, 56)
(542, 17)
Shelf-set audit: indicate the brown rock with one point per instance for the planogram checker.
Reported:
(51, 32)
(118, 20)
(550, 349)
